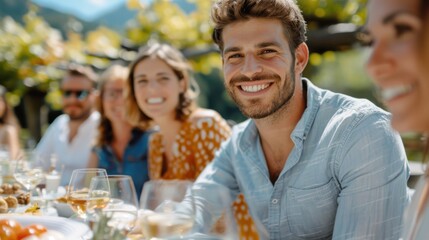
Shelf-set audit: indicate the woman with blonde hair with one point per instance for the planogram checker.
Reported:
(120, 147)
(9, 128)
(398, 32)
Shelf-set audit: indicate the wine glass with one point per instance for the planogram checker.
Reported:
(215, 217)
(123, 204)
(82, 194)
(168, 209)
(28, 170)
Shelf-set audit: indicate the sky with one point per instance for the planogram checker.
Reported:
(86, 10)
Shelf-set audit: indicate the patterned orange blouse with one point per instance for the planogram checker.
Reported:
(194, 148)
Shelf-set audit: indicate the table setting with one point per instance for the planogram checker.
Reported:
(28, 194)
(95, 205)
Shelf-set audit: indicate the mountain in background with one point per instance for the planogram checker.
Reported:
(115, 20)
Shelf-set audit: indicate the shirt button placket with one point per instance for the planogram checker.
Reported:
(274, 218)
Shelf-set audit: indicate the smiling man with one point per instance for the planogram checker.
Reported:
(71, 135)
(311, 164)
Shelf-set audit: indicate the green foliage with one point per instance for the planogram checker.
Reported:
(343, 72)
(164, 21)
(33, 53)
(25, 50)
(340, 10)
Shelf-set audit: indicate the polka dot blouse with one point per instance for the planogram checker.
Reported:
(194, 147)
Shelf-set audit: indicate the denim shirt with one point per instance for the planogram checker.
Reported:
(134, 161)
(345, 178)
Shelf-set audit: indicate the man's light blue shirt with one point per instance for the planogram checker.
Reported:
(345, 178)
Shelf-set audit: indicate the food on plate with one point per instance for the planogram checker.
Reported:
(33, 229)
(12, 202)
(23, 198)
(13, 195)
(3, 206)
(13, 224)
(12, 230)
(7, 188)
(7, 233)
(34, 209)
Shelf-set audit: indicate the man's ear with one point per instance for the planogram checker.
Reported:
(301, 57)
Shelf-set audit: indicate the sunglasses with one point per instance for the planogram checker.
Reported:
(79, 94)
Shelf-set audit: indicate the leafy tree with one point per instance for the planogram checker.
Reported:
(32, 59)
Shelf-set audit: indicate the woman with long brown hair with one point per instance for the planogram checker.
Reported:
(161, 90)
(398, 32)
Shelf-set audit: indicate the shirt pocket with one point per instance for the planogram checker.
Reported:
(311, 212)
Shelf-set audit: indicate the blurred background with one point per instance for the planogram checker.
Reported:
(40, 37)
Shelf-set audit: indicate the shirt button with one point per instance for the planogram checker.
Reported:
(274, 201)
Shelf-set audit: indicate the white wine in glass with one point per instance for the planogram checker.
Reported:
(81, 196)
(169, 209)
(98, 194)
(78, 201)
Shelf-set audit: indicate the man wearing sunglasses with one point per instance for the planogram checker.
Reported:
(71, 135)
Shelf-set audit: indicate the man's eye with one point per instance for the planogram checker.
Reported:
(267, 51)
(234, 56)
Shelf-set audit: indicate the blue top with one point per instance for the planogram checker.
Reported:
(134, 162)
(345, 178)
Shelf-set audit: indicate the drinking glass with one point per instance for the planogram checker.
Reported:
(28, 170)
(214, 209)
(83, 194)
(123, 204)
(168, 209)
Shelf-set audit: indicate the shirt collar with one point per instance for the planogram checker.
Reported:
(313, 103)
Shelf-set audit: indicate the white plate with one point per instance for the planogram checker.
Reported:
(69, 228)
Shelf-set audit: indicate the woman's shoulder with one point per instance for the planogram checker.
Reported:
(206, 118)
(203, 114)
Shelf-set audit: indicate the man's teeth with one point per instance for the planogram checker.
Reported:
(155, 100)
(254, 88)
(390, 93)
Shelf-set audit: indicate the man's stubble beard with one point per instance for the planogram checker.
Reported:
(82, 116)
(280, 102)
